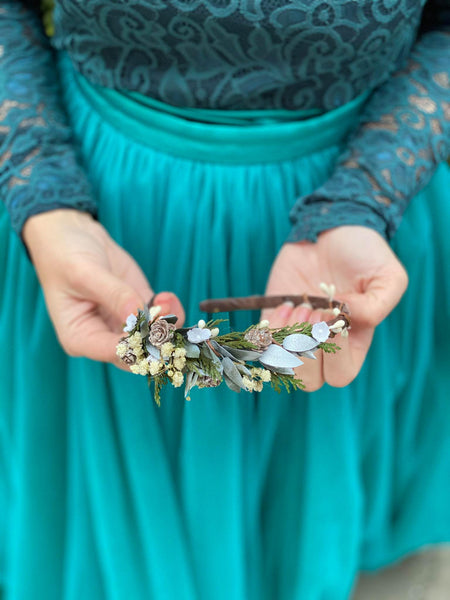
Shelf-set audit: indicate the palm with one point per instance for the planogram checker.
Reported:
(365, 272)
(90, 283)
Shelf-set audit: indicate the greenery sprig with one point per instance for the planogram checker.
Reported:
(201, 357)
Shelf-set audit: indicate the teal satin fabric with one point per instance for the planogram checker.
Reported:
(231, 137)
(249, 496)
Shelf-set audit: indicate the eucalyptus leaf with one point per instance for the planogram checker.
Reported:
(192, 350)
(243, 369)
(309, 354)
(170, 318)
(243, 354)
(223, 351)
(191, 381)
(231, 371)
(233, 387)
(275, 356)
(299, 342)
(209, 355)
(153, 351)
(282, 371)
(144, 328)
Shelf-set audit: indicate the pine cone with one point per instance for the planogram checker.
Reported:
(261, 338)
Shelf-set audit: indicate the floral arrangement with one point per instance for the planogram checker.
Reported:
(200, 356)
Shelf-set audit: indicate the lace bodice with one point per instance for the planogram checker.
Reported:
(313, 55)
(239, 54)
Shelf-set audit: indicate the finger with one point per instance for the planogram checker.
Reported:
(311, 372)
(380, 295)
(170, 304)
(341, 368)
(279, 316)
(104, 289)
(89, 336)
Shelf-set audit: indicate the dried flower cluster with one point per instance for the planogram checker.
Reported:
(200, 357)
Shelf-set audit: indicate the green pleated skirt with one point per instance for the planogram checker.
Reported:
(105, 496)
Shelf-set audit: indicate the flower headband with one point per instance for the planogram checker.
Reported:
(200, 356)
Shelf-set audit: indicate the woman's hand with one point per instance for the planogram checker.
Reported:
(367, 276)
(90, 283)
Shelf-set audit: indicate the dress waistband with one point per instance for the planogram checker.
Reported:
(230, 137)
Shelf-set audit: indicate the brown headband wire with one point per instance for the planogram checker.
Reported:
(215, 305)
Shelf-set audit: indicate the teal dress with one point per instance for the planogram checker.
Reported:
(105, 496)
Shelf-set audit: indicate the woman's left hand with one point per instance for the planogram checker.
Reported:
(367, 276)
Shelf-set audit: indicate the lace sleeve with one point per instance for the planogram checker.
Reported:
(38, 165)
(404, 133)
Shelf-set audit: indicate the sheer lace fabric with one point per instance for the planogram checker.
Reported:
(404, 133)
(236, 54)
(239, 54)
(38, 165)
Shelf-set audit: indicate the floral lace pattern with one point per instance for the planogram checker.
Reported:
(239, 54)
(38, 166)
(403, 135)
(236, 54)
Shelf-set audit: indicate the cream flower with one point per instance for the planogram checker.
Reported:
(249, 383)
(263, 374)
(154, 312)
(179, 363)
(121, 349)
(135, 344)
(155, 366)
(167, 349)
(258, 386)
(177, 379)
(140, 368)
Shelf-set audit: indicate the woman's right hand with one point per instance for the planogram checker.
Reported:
(90, 283)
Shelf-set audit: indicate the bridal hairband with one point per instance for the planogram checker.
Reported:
(201, 357)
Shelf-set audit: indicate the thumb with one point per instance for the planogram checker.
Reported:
(170, 304)
(116, 296)
(379, 297)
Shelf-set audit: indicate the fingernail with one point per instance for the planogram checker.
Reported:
(165, 309)
(284, 311)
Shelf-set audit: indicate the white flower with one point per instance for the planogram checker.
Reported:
(215, 332)
(338, 326)
(180, 353)
(263, 324)
(320, 331)
(154, 312)
(197, 335)
(201, 324)
(329, 290)
(130, 323)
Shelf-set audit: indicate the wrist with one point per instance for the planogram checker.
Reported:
(37, 226)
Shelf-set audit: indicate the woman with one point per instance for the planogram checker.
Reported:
(195, 128)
